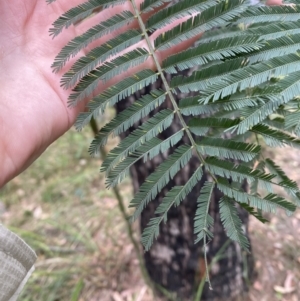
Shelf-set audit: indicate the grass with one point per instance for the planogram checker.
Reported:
(61, 208)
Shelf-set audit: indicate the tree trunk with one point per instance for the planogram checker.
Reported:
(174, 261)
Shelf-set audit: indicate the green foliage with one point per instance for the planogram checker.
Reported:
(160, 178)
(248, 71)
(174, 197)
(203, 221)
(82, 41)
(232, 223)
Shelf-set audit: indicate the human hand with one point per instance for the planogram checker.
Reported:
(33, 107)
(33, 111)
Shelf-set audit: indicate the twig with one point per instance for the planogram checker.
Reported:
(154, 286)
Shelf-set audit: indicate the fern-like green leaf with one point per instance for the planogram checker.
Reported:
(79, 13)
(174, 197)
(215, 50)
(196, 124)
(229, 149)
(138, 110)
(292, 120)
(232, 223)
(160, 178)
(254, 185)
(275, 48)
(284, 181)
(244, 79)
(203, 221)
(255, 115)
(200, 80)
(256, 14)
(274, 137)
(217, 15)
(220, 33)
(145, 132)
(251, 76)
(178, 10)
(98, 55)
(148, 5)
(275, 30)
(96, 32)
(191, 106)
(114, 94)
(146, 151)
(238, 101)
(275, 95)
(90, 82)
(254, 213)
(268, 204)
(239, 172)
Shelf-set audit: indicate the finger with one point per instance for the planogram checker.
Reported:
(274, 2)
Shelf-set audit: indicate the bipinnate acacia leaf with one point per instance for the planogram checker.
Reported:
(239, 82)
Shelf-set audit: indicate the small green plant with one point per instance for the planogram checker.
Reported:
(247, 82)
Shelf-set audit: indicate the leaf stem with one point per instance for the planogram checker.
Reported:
(165, 82)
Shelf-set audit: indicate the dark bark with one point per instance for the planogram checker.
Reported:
(174, 261)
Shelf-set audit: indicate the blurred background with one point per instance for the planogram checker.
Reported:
(61, 208)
